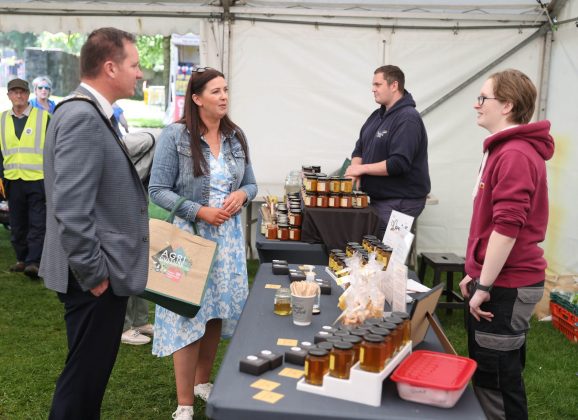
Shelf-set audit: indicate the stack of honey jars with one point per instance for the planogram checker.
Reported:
(383, 338)
(295, 216)
(331, 192)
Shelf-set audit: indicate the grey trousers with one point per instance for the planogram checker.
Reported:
(137, 313)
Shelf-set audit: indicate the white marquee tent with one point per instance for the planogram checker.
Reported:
(300, 74)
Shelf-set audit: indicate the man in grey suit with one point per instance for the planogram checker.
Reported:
(96, 248)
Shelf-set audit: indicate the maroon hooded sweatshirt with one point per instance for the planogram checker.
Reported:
(512, 199)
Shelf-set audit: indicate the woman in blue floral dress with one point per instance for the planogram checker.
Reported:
(204, 158)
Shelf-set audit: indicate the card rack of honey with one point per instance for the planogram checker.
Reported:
(348, 389)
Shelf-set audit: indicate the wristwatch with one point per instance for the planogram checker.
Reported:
(483, 288)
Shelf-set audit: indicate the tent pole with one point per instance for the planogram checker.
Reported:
(484, 70)
(545, 76)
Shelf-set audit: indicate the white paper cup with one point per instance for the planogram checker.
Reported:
(302, 309)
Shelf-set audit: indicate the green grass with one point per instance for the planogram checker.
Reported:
(33, 348)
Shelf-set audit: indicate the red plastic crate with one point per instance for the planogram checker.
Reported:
(564, 321)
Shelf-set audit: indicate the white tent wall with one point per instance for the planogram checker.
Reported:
(301, 93)
(562, 110)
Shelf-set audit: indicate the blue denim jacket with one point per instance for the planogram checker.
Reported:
(172, 172)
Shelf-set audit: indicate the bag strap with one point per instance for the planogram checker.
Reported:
(171, 217)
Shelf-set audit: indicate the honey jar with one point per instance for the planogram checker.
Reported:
(335, 184)
(350, 248)
(388, 341)
(323, 185)
(272, 232)
(356, 342)
(332, 254)
(361, 200)
(346, 185)
(294, 233)
(283, 232)
(398, 334)
(316, 365)
(310, 182)
(366, 241)
(346, 201)
(295, 218)
(406, 326)
(310, 200)
(341, 360)
(372, 353)
(334, 200)
(316, 169)
(282, 301)
(322, 200)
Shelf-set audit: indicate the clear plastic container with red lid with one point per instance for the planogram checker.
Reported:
(433, 378)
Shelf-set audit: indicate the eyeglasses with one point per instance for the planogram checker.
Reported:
(481, 99)
(43, 88)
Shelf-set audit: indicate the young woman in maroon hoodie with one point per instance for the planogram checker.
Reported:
(505, 266)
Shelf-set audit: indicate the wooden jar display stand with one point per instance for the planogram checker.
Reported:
(349, 389)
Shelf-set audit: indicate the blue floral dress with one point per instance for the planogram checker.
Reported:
(227, 286)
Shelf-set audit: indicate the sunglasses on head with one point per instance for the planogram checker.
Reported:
(43, 87)
(202, 69)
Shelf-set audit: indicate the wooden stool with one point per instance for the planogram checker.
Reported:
(450, 263)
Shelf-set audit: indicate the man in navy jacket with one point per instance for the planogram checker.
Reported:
(389, 161)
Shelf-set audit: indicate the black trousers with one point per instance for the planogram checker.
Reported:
(499, 348)
(27, 217)
(93, 328)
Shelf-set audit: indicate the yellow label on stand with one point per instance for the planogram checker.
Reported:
(272, 286)
(265, 385)
(361, 355)
(268, 396)
(306, 367)
(331, 362)
(290, 342)
(291, 373)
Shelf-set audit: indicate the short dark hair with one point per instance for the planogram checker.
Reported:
(102, 45)
(515, 87)
(392, 74)
(192, 120)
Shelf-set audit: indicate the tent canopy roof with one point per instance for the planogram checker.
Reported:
(150, 16)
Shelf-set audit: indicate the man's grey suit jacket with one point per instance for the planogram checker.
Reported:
(96, 206)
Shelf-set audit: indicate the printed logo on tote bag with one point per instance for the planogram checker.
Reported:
(174, 264)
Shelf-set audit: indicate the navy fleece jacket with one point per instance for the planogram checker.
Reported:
(398, 136)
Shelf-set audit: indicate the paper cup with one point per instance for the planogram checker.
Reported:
(302, 308)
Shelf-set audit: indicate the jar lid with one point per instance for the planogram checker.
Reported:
(380, 331)
(296, 210)
(334, 340)
(354, 339)
(343, 345)
(322, 178)
(373, 321)
(325, 345)
(402, 315)
(358, 332)
(373, 338)
(311, 175)
(317, 351)
(387, 325)
(394, 320)
(335, 251)
(341, 333)
(352, 243)
(283, 225)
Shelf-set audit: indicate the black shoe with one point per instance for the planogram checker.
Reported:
(18, 267)
(31, 271)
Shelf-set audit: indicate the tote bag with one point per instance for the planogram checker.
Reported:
(179, 264)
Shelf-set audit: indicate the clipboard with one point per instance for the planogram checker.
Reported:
(422, 317)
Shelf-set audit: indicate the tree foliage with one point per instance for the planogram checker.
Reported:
(18, 41)
(70, 42)
(150, 48)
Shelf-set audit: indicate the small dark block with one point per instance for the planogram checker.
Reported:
(254, 365)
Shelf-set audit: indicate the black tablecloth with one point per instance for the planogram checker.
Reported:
(336, 227)
(259, 328)
(296, 252)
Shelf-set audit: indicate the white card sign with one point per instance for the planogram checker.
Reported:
(398, 222)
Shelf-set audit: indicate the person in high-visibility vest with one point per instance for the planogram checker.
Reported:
(22, 134)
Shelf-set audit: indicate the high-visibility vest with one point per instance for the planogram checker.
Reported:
(23, 158)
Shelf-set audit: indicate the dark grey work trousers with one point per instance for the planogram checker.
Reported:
(93, 328)
(499, 348)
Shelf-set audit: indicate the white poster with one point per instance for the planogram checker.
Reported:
(398, 222)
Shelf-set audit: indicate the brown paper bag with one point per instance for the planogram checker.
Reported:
(179, 265)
